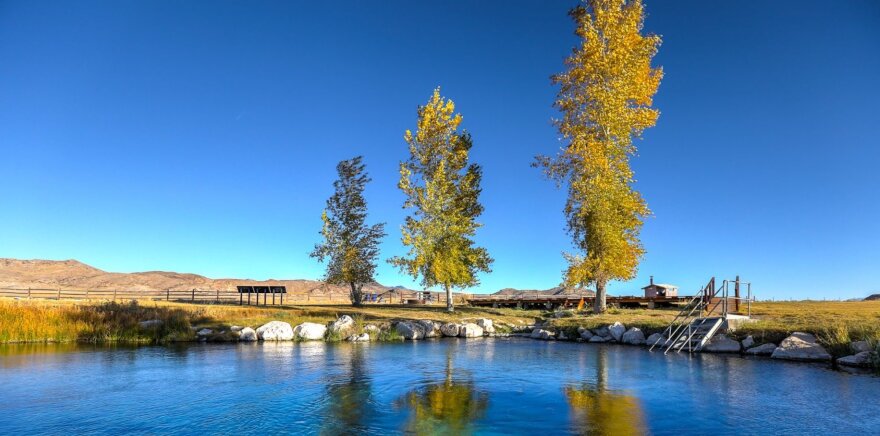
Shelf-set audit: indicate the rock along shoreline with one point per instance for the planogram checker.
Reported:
(798, 347)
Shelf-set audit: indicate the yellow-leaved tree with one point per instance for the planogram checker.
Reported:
(443, 190)
(605, 99)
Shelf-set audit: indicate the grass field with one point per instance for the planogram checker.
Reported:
(836, 324)
(65, 320)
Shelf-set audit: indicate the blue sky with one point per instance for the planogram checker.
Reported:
(202, 136)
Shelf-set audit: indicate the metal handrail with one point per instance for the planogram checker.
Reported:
(687, 316)
(676, 336)
(680, 314)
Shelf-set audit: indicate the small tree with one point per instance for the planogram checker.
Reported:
(443, 191)
(605, 99)
(350, 246)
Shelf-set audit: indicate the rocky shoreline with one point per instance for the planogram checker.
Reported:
(799, 346)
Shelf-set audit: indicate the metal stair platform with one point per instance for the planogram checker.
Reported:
(702, 318)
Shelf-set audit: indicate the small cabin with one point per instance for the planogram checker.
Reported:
(654, 290)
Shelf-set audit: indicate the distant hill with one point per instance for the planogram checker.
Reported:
(72, 274)
(874, 297)
(552, 291)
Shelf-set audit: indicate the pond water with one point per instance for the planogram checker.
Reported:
(449, 386)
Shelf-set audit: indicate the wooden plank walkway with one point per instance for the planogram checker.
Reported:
(528, 301)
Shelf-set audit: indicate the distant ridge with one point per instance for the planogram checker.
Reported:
(73, 274)
(874, 297)
(559, 290)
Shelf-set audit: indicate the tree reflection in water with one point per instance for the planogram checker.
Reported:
(348, 394)
(447, 407)
(594, 410)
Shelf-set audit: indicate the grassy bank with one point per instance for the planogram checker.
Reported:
(108, 322)
(835, 323)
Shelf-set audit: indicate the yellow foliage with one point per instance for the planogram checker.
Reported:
(442, 189)
(605, 99)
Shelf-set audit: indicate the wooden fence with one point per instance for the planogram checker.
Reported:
(225, 297)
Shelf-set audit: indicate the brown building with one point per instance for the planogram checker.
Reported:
(660, 290)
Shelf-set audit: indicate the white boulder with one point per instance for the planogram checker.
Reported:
(486, 325)
(585, 333)
(235, 328)
(343, 324)
(656, 338)
(722, 344)
(276, 331)
(204, 332)
(603, 332)
(617, 330)
(410, 330)
(801, 346)
(862, 359)
(762, 350)
(748, 342)
(308, 331)
(431, 328)
(598, 339)
(633, 336)
(247, 334)
(363, 337)
(859, 346)
(450, 329)
(470, 330)
(542, 334)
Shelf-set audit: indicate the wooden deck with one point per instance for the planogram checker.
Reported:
(531, 301)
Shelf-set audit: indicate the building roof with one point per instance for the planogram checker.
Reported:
(662, 285)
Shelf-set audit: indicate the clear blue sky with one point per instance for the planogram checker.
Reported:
(202, 136)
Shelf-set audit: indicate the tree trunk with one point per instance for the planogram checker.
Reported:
(599, 302)
(357, 296)
(449, 307)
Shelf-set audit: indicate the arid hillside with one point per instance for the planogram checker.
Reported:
(72, 274)
(552, 291)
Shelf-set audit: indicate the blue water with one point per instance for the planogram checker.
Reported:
(483, 386)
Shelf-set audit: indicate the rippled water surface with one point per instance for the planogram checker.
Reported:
(492, 386)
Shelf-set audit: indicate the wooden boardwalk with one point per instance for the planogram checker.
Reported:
(532, 301)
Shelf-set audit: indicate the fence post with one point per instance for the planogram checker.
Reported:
(194, 295)
(29, 293)
(59, 294)
(168, 295)
(736, 295)
(87, 294)
(218, 295)
(114, 295)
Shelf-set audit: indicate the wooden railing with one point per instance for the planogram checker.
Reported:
(224, 296)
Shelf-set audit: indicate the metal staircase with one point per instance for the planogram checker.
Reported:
(702, 317)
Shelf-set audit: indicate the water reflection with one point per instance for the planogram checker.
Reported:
(450, 406)
(348, 393)
(596, 410)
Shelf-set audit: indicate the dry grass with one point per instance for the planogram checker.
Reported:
(63, 321)
(835, 323)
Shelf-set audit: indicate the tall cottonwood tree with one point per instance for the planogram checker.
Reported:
(605, 99)
(350, 246)
(442, 189)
